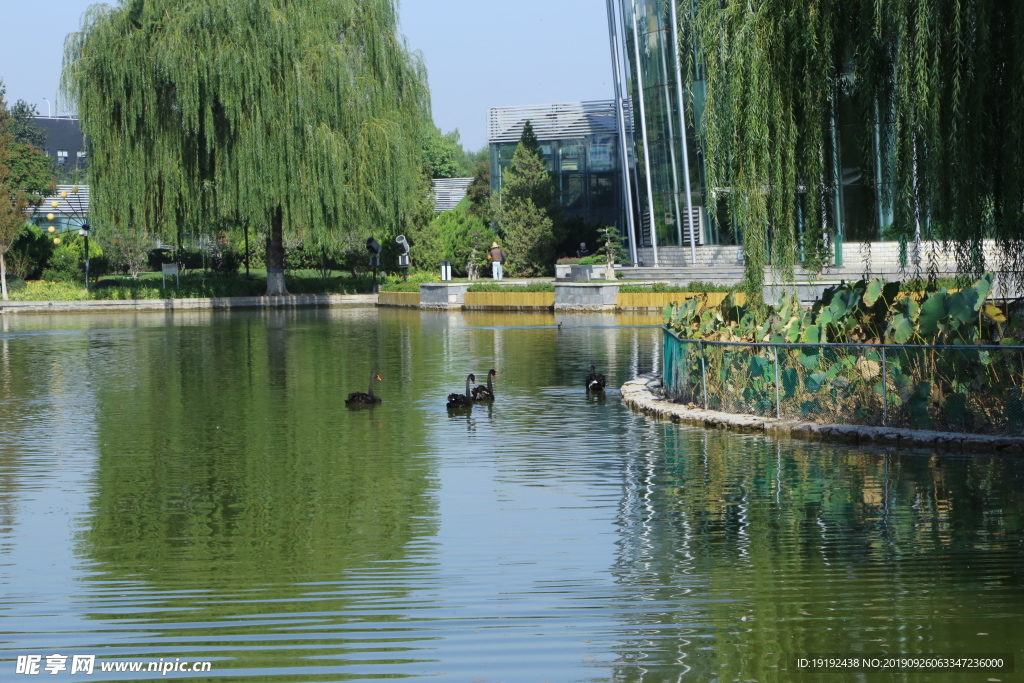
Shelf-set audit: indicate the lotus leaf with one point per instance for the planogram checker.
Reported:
(933, 312)
(814, 382)
(873, 291)
(983, 286)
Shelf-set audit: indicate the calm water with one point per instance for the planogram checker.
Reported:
(193, 487)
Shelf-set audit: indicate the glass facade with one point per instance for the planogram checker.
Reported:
(579, 143)
(646, 33)
(644, 37)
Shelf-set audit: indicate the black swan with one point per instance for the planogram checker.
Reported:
(482, 393)
(358, 398)
(462, 400)
(595, 382)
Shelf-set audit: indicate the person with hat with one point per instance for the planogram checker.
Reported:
(497, 258)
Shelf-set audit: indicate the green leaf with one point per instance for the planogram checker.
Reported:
(933, 312)
(809, 358)
(873, 291)
(814, 382)
(811, 334)
(961, 305)
(902, 329)
(790, 381)
(983, 287)
(758, 364)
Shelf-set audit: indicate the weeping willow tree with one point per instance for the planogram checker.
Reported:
(936, 86)
(300, 118)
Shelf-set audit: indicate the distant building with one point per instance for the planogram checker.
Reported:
(448, 192)
(64, 141)
(580, 142)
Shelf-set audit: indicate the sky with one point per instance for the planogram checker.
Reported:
(479, 54)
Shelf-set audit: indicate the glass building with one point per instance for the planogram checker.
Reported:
(581, 145)
(670, 198)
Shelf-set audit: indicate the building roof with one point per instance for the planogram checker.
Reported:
(448, 192)
(74, 205)
(553, 121)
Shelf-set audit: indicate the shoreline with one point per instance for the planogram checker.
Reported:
(643, 394)
(213, 303)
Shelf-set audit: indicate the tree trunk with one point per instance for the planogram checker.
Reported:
(3, 277)
(275, 255)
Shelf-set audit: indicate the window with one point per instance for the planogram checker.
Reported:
(81, 154)
(62, 156)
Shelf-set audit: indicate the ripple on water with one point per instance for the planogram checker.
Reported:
(194, 488)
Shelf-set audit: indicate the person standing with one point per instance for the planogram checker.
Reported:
(497, 258)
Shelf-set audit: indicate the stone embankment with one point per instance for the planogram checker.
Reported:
(644, 394)
(221, 303)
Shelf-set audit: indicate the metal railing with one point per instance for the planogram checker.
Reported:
(971, 389)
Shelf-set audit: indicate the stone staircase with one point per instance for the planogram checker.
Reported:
(722, 265)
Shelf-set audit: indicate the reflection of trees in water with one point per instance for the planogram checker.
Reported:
(744, 547)
(232, 466)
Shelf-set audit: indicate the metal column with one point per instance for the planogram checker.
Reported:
(620, 119)
(682, 135)
(643, 130)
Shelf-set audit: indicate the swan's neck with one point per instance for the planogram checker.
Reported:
(490, 389)
(468, 388)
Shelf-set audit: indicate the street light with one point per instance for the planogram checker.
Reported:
(403, 256)
(373, 246)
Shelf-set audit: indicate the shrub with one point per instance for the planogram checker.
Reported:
(15, 283)
(454, 236)
(658, 288)
(30, 253)
(532, 287)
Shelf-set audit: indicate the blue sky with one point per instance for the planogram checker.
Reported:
(479, 53)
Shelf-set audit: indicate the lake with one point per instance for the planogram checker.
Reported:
(191, 487)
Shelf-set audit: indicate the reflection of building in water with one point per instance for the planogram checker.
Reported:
(756, 548)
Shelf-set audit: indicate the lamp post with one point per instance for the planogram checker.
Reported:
(403, 256)
(373, 246)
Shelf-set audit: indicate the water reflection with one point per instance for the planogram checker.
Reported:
(220, 502)
(743, 551)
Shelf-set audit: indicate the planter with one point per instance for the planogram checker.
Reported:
(597, 272)
(580, 273)
(586, 296)
(398, 299)
(443, 294)
(514, 300)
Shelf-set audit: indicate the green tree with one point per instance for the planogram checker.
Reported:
(479, 191)
(25, 176)
(528, 139)
(24, 126)
(520, 213)
(441, 153)
(453, 235)
(943, 80)
(297, 119)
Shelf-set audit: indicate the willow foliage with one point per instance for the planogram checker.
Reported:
(942, 81)
(300, 117)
